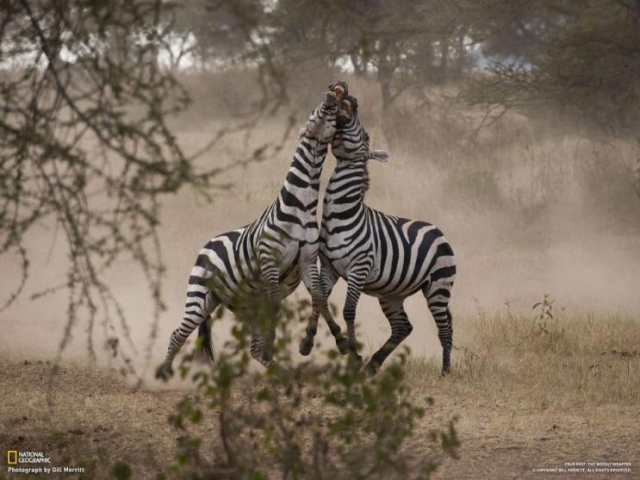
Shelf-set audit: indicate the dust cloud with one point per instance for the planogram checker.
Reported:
(526, 213)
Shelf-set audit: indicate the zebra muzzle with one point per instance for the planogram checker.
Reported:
(340, 89)
(345, 109)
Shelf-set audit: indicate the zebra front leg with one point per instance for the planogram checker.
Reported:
(400, 329)
(264, 330)
(199, 306)
(354, 288)
(321, 286)
(264, 321)
(270, 272)
(328, 279)
(261, 348)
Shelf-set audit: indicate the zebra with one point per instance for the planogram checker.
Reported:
(385, 256)
(268, 258)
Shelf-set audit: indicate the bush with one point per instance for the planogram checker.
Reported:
(300, 421)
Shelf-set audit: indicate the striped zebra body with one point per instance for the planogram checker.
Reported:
(384, 256)
(268, 258)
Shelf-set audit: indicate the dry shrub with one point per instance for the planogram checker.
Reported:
(302, 421)
(564, 358)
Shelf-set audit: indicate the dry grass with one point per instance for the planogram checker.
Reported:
(524, 400)
(528, 399)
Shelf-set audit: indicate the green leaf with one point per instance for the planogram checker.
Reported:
(121, 471)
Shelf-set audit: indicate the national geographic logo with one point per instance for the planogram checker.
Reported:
(15, 457)
(35, 463)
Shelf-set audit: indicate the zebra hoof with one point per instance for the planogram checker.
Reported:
(445, 372)
(343, 345)
(305, 347)
(164, 372)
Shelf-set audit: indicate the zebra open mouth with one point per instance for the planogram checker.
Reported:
(345, 109)
(340, 89)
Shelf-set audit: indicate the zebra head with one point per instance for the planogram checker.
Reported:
(321, 126)
(351, 141)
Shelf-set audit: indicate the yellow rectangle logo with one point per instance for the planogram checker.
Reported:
(12, 457)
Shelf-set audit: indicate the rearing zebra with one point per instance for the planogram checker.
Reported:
(269, 257)
(388, 257)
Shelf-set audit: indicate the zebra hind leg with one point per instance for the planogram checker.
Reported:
(438, 296)
(401, 328)
(206, 342)
(198, 308)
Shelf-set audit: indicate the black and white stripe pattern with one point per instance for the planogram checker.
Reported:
(268, 258)
(388, 257)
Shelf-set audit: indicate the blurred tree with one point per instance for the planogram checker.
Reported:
(223, 34)
(510, 29)
(304, 32)
(84, 145)
(402, 45)
(223, 30)
(581, 60)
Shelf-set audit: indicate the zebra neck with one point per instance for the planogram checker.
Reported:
(303, 178)
(347, 187)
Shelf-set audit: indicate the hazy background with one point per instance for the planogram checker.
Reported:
(533, 201)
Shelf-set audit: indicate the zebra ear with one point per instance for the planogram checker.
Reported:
(379, 155)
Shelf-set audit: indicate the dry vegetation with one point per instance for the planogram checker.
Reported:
(524, 399)
(530, 399)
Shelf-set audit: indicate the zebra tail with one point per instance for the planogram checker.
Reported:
(204, 333)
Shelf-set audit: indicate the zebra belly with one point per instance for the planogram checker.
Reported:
(394, 290)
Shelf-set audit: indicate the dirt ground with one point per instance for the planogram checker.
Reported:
(571, 397)
(507, 439)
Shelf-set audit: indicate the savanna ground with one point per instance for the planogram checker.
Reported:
(528, 207)
(526, 394)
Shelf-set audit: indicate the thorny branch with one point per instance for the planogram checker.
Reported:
(84, 148)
